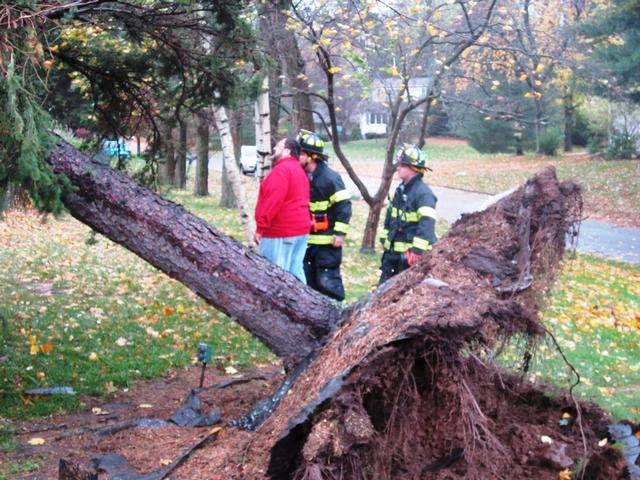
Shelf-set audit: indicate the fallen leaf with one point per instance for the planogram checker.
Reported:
(168, 311)
(165, 461)
(602, 442)
(546, 439)
(564, 474)
(36, 441)
(121, 342)
(40, 375)
(99, 411)
(145, 405)
(93, 356)
(230, 371)
(47, 348)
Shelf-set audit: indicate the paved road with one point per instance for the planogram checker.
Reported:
(599, 238)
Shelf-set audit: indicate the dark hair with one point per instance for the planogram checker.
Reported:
(293, 146)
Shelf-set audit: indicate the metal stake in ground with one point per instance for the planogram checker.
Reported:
(204, 356)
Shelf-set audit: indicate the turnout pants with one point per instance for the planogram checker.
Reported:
(392, 264)
(322, 269)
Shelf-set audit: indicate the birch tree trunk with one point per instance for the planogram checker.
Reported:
(263, 131)
(233, 172)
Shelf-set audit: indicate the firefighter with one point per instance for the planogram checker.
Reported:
(409, 225)
(330, 210)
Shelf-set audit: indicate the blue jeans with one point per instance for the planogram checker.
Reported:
(287, 253)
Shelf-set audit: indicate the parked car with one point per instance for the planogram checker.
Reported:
(248, 159)
(113, 148)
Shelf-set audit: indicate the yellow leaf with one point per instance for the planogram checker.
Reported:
(40, 375)
(433, 31)
(540, 68)
(93, 356)
(564, 474)
(34, 349)
(99, 411)
(32, 339)
(165, 461)
(523, 77)
(335, 70)
(36, 441)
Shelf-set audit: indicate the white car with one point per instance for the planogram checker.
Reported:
(248, 159)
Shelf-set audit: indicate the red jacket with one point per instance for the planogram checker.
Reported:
(283, 202)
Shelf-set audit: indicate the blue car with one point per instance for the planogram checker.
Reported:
(113, 148)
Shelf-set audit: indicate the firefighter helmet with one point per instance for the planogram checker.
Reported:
(311, 143)
(414, 157)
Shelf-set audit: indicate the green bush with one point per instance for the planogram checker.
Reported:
(355, 133)
(489, 136)
(622, 145)
(550, 141)
(581, 131)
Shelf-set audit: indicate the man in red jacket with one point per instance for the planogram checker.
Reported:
(282, 211)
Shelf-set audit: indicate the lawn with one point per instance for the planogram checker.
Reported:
(83, 312)
(611, 187)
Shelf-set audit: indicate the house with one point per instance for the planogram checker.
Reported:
(374, 115)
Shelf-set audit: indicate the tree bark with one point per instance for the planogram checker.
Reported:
(263, 131)
(168, 166)
(290, 318)
(180, 180)
(201, 183)
(399, 388)
(233, 172)
(371, 227)
(568, 120)
(227, 197)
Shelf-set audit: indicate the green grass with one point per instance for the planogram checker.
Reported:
(593, 315)
(610, 187)
(107, 317)
(363, 151)
(98, 318)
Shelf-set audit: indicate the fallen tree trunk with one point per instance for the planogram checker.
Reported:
(401, 389)
(291, 319)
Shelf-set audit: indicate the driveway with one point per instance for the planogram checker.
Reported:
(596, 237)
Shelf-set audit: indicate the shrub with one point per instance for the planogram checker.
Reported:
(550, 141)
(355, 133)
(489, 136)
(622, 145)
(581, 132)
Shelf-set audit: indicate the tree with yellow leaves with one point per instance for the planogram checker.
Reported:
(384, 49)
